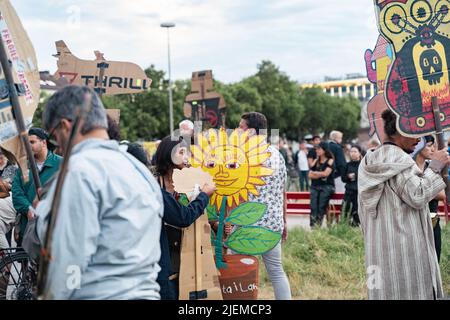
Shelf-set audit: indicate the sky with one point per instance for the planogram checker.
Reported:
(306, 39)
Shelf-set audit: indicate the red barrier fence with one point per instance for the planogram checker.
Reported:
(299, 203)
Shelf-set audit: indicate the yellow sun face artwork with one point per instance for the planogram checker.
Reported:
(235, 162)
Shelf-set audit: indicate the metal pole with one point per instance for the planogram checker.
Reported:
(18, 116)
(170, 84)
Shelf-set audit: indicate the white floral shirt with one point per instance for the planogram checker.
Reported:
(272, 194)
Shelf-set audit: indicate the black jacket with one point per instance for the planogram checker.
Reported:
(351, 184)
(176, 215)
(339, 158)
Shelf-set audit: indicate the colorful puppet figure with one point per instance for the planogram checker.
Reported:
(378, 63)
(419, 31)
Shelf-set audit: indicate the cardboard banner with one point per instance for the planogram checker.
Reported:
(114, 114)
(204, 104)
(150, 147)
(236, 162)
(240, 280)
(26, 76)
(419, 32)
(118, 78)
(378, 64)
(198, 277)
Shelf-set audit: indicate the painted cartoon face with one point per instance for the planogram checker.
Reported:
(431, 64)
(228, 166)
(235, 162)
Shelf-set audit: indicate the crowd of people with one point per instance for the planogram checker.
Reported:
(119, 218)
(324, 167)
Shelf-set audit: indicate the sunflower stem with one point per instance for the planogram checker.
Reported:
(220, 264)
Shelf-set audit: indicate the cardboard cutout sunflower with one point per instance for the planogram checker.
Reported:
(236, 163)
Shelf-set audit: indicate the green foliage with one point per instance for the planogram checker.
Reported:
(253, 240)
(145, 116)
(445, 257)
(247, 214)
(37, 117)
(324, 113)
(294, 111)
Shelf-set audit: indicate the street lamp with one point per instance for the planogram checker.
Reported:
(169, 25)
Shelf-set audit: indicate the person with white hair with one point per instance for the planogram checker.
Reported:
(186, 128)
(339, 157)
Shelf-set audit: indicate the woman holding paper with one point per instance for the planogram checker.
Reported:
(178, 212)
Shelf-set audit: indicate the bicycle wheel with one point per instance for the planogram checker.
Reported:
(15, 280)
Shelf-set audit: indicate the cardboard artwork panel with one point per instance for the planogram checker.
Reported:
(378, 64)
(204, 104)
(114, 115)
(419, 31)
(235, 162)
(198, 277)
(26, 76)
(150, 147)
(119, 77)
(240, 280)
(184, 181)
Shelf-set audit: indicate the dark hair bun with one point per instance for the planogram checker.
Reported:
(390, 122)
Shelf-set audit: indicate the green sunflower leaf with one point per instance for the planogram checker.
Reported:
(253, 240)
(247, 214)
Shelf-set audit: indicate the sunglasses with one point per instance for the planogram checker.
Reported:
(51, 135)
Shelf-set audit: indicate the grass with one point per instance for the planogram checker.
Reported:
(329, 264)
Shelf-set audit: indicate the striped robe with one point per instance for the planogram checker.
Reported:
(393, 201)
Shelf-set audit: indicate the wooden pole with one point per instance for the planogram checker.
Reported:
(441, 143)
(18, 116)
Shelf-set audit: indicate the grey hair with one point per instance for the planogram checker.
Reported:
(335, 134)
(65, 103)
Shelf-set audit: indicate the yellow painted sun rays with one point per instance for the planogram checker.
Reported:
(235, 162)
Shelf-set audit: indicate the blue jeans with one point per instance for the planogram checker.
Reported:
(304, 180)
(274, 267)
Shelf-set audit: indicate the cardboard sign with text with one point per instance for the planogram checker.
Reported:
(119, 77)
(26, 77)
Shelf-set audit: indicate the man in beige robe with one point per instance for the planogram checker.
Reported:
(393, 208)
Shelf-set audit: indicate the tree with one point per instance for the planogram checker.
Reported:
(145, 116)
(294, 111)
(324, 113)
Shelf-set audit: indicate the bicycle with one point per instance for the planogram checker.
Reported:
(17, 275)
